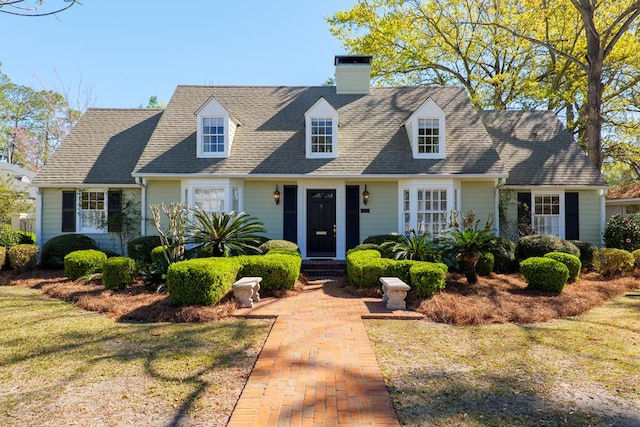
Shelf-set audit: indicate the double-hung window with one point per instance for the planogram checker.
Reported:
(322, 135)
(428, 136)
(546, 213)
(93, 211)
(214, 196)
(209, 199)
(425, 209)
(213, 135)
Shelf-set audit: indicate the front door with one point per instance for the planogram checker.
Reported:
(321, 223)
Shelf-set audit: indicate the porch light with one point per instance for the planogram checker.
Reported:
(276, 196)
(365, 195)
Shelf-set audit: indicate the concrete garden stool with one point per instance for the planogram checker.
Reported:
(394, 292)
(246, 291)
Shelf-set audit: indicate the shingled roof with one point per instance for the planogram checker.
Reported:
(102, 148)
(270, 140)
(538, 150)
(625, 192)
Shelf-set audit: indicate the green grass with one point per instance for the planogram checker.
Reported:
(573, 372)
(62, 365)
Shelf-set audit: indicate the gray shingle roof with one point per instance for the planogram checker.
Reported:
(102, 148)
(271, 138)
(538, 150)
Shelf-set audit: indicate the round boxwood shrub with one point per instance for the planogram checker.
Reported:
(587, 250)
(364, 247)
(428, 278)
(118, 272)
(544, 274)
(278, 244)
(23, 257)
(571, 261)
(622, 232)
(537, 245)
(202, 281)
(504, 254)
(379, 239)
(140, 249)
(485, 264)
(157, 254)
(636, 258)
(3, 256)
(81, 263)
(56, 248)
(279, 269)
(611, 262)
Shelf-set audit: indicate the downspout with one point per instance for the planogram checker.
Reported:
(143, 208)
(38, 218)
(496, 209)
(603, 214)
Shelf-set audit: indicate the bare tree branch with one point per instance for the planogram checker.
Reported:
(22, 7)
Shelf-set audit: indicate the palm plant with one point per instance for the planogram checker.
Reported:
(467, 242)
(416, 247)
(222, 233)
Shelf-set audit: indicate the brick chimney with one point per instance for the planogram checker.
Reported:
(353, 74)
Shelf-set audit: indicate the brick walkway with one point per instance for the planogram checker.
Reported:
(317, 367)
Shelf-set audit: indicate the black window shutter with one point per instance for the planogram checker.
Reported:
(290, 213)
(68, 211)
(114, 210)
(353, 216)
(524, 213)
(571, 216)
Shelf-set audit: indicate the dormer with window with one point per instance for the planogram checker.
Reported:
(321, 131)
(216, 128)
(426, 131)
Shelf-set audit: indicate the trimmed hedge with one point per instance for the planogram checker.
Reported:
(279, 268)
(3, 256)
(587, 251)
(26, 237)
(544, 274)
(201, 281)
(81, 263)
(56, 248)
(636, 258)
(383, 238)
(10, 238)
(504, 254)
(611, 262)
(278, 244)
(428, 278)
(538, 245)
(140, 248)
(485, 264)
(571, 261)
(23, 257)
(118, 272)
(157, 254)
(364, 247)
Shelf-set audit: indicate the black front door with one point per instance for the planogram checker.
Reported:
(321, 223)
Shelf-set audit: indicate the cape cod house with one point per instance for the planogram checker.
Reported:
(324, 166)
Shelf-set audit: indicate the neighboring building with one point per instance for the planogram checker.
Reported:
(346, 162)
(20, 180)
(624, 200)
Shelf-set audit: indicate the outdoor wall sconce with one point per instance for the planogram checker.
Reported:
(365, 195)
(276, 196)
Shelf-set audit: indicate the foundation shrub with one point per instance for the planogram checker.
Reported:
(278, 244)
(428, 278)
(81, 263)
(10, 238)
(156, 254)
(587, 250)
(202, 281)
(544, 274)
(279, 268)
(636, 258)
(363, 247)
(537, 245)
(571, 261)
(56, 248)
(23, 257)
(380, 239)
(140, 249)
(3, 256)
(485, 264)
(610, 262)
(622, 232)
(504, 255)
(118, 272)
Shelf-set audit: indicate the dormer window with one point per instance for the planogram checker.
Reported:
(426, 131)
(321, 131)
(216, 128)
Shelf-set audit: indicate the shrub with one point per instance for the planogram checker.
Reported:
(636, 258)
(140, 249)
(23, 257)
(364, 247)
(485, 264)
(3, 256)
(157, 254)
(613, 262)
(504, 254)
(587, 250)
(417, 247)
(571, 261)
(118, 272)
(428, 278)
(81, 263)
(278, 244)
(201, 281)
(279, 269)
(537, 245)
(622, 233)
(382, 238)
(26, 237)
(10, 238)
(544, 274)
(56, 248)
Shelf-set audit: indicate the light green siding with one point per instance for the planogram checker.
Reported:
(259, 203)
(383, 209)
(160, 191)
(478, 197)
(590, 216)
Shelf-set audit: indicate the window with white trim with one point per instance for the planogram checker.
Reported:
(209, 199)
(426, 131)
(425, 210)
(219, 196)
(92, 212)
(212, 135)
(321, 135)
(630, 210)
(428, 135)
(547, 213)
(321, 131)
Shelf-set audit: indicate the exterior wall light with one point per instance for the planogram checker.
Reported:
(276, 196)
(365, 195)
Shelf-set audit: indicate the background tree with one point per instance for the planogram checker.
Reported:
(35, 8)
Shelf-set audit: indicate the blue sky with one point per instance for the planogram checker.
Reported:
(125, 51)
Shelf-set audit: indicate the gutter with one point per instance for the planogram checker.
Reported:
(143, 204)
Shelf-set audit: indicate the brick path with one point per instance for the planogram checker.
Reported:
(317, 367)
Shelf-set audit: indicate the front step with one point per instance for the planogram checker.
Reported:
(323, 268)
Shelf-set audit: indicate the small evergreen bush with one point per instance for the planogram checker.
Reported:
(428, 278)
(278, 244)
(118, 272)
(485, 264)
(544, 274)
(587, 250)
(157, 254)
(636, 258)
(571, 261)
(140, 248)
(279, 268)
(622, 233)
(537, 245)
(611, 262)
(23, 257)
(84, 262)
(201, 281)
(56, 248)
(26, 237)
(379, 239)
(3, 256)
(504, 254)
(364, 247)
(10, 238)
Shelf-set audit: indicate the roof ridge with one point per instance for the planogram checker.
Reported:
(125, 109)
